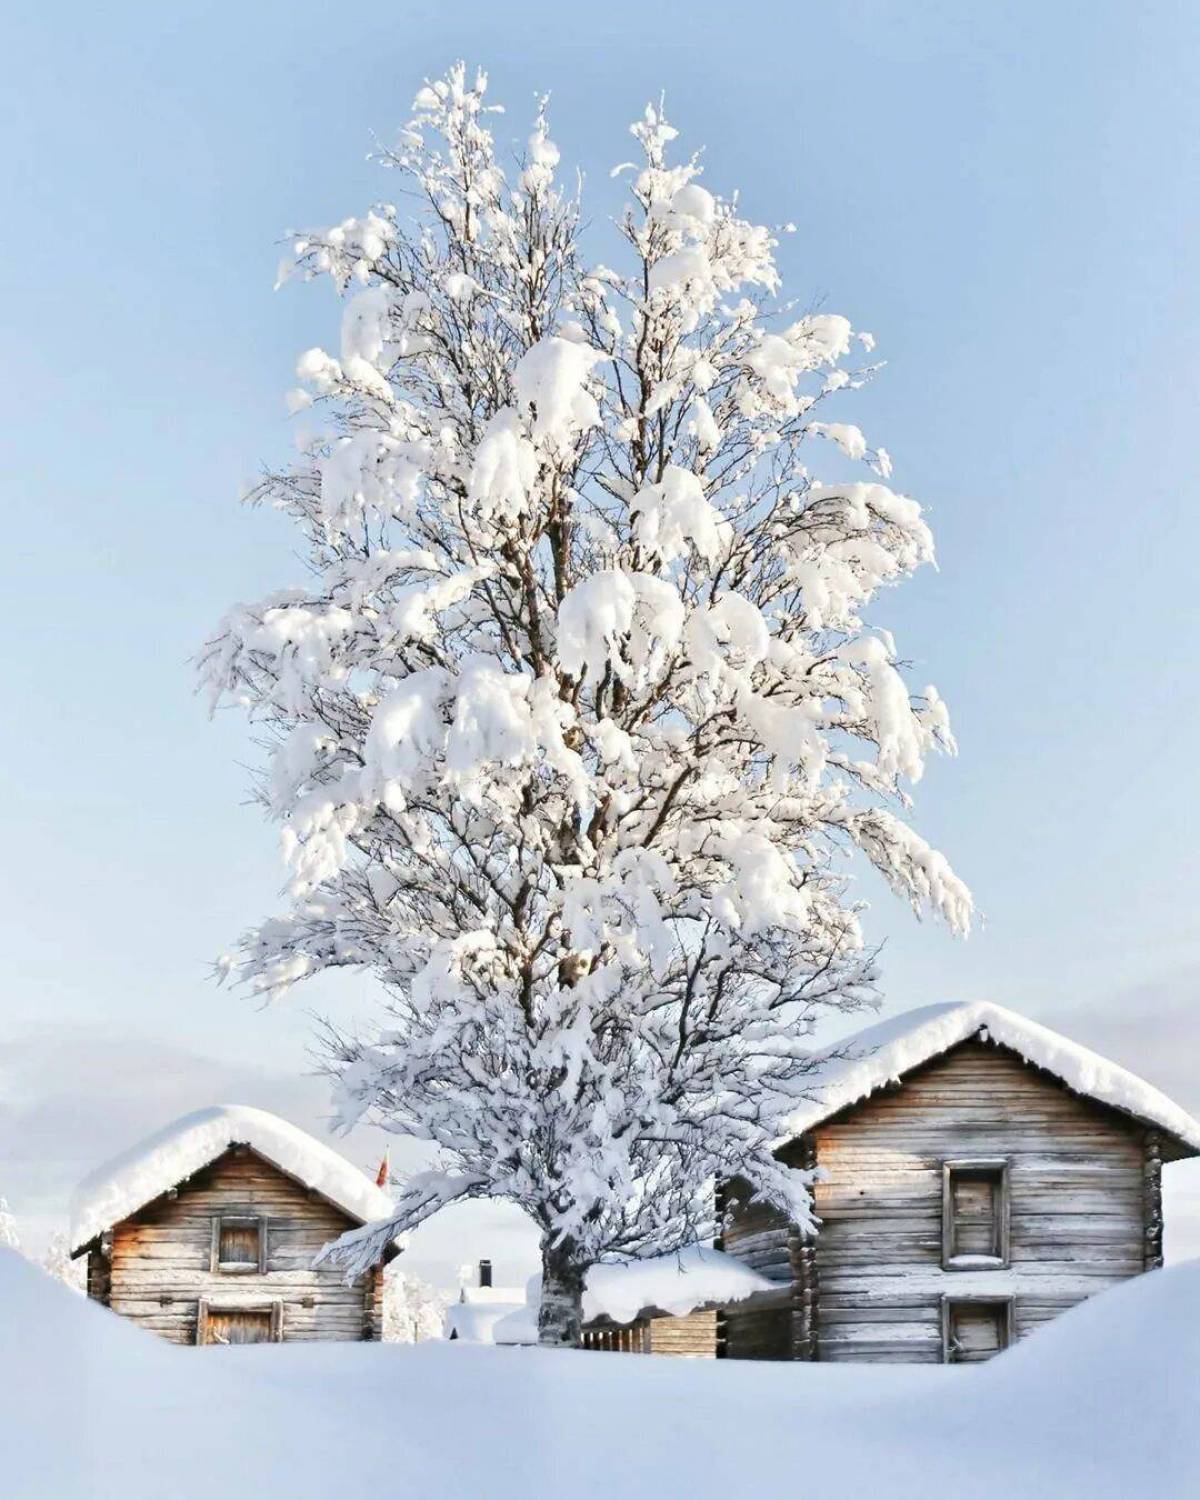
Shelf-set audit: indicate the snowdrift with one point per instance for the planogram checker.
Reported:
(1099, 1405)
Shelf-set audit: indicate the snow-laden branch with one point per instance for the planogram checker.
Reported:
(577, 718)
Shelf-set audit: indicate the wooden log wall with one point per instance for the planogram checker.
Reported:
(159, 1269)
(802, 1256)
(764, 1239)
(1084, 1202)
(692, 1336)
(1075, 1182)
(99, 1270)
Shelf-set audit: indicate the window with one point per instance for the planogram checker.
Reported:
(239, 1243)
(974, 1215)
(259, 1323)
(975, 1328)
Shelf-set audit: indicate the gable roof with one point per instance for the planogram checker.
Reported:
(136, 1177)
(884, 1053)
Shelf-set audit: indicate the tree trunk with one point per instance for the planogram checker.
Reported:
(560, 1317)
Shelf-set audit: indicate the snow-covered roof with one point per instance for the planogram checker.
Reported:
(517, 1327)
(128, 1182)
(884, 1053)
(480, 1296)
(493, 1315)
(696, 1277)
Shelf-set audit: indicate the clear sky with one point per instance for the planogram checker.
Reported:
(1005, 195)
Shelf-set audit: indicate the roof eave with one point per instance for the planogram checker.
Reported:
(389, 1255)
(1180, 1148)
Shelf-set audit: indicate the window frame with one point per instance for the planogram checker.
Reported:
(238, 1268)
(1001, 1167)
(1007, 1326)
(273, 1306)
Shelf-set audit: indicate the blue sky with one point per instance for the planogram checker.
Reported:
(1006, 196)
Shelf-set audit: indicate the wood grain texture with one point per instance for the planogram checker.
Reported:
(161, 1266)
(691, 1336)
(1082, 1211)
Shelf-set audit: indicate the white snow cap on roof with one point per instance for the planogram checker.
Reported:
(129, 1181)
(697, 1276)
(883, 1053)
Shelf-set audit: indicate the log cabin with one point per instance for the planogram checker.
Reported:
(206, 1233)
(977, 1175)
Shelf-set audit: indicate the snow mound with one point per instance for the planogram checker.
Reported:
(489, 1322)
(883, 1053)
(492, 1315)
(517, 1327)
(1100, 1404)
(129, 1181)
(677, 1284)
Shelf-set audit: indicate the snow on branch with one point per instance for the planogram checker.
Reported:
(580, 712)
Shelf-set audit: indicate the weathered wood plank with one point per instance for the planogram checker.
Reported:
(1083, 1193)
(162, 1260)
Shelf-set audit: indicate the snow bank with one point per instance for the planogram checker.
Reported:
(678, 1284)
(518, 1327)
(129, 1181)
(1100, 1404)
(883, 1053)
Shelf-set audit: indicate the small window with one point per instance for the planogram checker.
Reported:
(239, 1243)
(974, 1215)
(975, 1328)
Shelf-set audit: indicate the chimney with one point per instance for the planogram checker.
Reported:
(485, 1273)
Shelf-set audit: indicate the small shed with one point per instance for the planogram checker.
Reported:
(206, 1233)
(979, 1174)
(666, 1304)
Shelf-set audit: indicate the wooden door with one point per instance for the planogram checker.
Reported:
(239, 1325)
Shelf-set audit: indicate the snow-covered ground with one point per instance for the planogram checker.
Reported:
(1099, 1405)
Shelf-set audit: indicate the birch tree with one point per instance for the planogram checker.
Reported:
(576, 725)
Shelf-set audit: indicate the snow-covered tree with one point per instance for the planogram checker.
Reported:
(412, 1309)
(575, 721)
(9, 1238)
(57, 1262)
